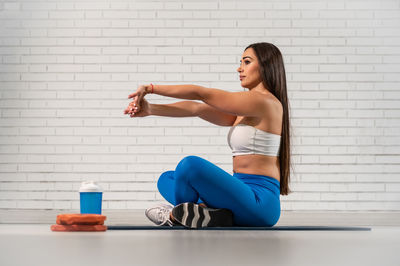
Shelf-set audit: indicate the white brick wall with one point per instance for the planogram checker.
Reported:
(67, 67)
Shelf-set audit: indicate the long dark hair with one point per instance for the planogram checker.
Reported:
(272, 72)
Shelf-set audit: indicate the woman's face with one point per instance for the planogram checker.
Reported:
(249, 69)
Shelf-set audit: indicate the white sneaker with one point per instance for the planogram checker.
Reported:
(160, 214)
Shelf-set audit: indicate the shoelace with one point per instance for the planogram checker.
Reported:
(162, 214)
(169, 223)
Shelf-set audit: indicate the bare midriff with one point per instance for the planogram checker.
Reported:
(259, 164)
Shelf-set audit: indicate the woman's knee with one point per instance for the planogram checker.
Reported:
(190, 169)
(164, 177)
(188, 163)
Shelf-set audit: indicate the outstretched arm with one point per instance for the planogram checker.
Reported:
(186, 91)
(247, 103)
(178, 109)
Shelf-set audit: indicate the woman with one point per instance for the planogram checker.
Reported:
(204, 195)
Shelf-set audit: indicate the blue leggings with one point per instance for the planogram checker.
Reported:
(253, 199)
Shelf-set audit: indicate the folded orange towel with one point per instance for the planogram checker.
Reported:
(78, 227)
(82, 219)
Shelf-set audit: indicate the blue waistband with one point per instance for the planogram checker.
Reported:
(260, 180)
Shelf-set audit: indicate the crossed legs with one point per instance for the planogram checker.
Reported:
(200, 181)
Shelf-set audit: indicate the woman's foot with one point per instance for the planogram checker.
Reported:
(160, 215)
(192, 215)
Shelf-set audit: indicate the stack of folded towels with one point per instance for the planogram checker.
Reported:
(79, 222)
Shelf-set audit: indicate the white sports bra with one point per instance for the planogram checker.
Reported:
(246, 139)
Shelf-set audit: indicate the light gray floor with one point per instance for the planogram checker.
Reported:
(36, 244)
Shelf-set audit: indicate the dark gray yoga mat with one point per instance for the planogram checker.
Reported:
(285, 228)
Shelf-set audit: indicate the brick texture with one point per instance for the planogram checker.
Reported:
(67, 67)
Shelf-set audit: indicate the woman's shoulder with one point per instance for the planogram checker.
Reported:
(276, 105)
(272, 116)
(272, 103)
(272, 120)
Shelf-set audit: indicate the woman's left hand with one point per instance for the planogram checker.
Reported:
(138, 96)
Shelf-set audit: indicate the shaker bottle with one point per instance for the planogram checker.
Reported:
(90, 197)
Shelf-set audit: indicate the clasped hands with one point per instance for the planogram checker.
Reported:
(139, 107)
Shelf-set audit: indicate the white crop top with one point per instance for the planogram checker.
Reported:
(245, 139)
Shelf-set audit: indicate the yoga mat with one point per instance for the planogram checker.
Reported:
(285, 228)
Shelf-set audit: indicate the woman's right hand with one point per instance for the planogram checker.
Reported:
(144, 109)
